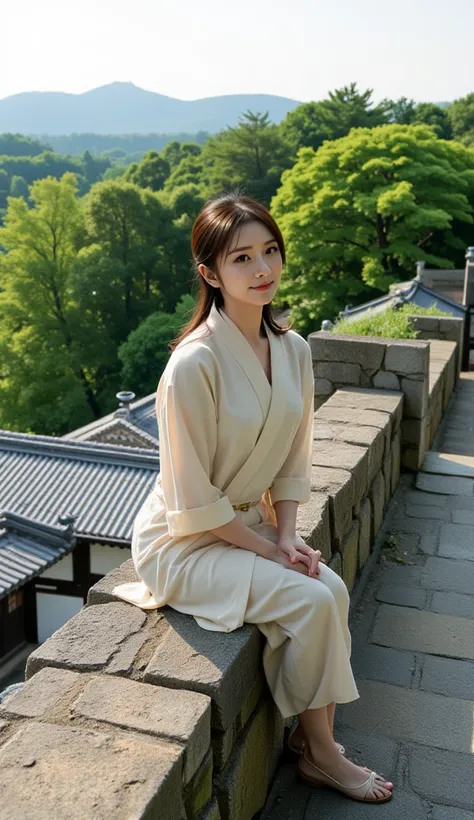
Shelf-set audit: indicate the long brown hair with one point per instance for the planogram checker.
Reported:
(213, 231)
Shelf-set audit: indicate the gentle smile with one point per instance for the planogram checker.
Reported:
(263, 287)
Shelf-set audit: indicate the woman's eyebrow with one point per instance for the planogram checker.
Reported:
(249, 247)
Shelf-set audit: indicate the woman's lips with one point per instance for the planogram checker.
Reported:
(264, 287)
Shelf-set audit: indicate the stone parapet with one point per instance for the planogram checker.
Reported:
(445, 329)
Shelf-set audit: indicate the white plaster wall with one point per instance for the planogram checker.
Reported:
(61, 570)
(53, 611)
(105, 558)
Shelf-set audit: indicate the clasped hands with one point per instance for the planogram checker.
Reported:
(293, 553)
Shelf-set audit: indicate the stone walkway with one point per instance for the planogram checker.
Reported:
(413, 650)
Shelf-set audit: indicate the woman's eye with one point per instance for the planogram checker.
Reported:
(240, 257)
(273, 248)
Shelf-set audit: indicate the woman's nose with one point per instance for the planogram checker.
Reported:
(263, 265)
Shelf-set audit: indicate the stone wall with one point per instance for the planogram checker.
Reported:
(447, 329)
(414, 367)
(145, 714)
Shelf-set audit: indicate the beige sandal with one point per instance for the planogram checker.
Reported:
(355, 792)
(298, 750)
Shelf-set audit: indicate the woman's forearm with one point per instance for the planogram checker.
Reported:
(286, 518)
(238, 534)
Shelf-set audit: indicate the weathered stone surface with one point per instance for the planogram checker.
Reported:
(76, 773)
(447, 575)
(211, 811)
(365, 533)
(413, 430)
(313, 523)
(364, 436)
(437, 775)
(463, 517)
(449, 464)
(223, 742)
(384, 380)
(412, 455)
(101, 592)
(42, 692)
(410, 715)
(183, 717)
(450, 813)
(323, 387)
(353, 417)
(336, 563)
(377, 499)
(347, 457)
(416, 398)
(407, 357)
(98, 635)
(332, 347)
(349, 551)
(339, 372)
(455, 679)
(396, 461)
(452, 603)
(338, 485)
(421, 631)
(325, 803)
(457, 541)
(445, 485)
(360, 398)
(221, 665)
(198, 792)
(429, 513)
(242, 786)
(402, 523)
(418, 498)
(372, 662)
(401, 596)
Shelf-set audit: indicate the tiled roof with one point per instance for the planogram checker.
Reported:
(28, 547)
(103, 485)
(414, 292)
(133, 423)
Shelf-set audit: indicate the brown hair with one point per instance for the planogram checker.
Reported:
(212, 233)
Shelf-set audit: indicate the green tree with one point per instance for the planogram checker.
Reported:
(461, 117)
(19, 187)
(152, 172)
(358, 214)
(437, 117)
(45, 385)
(401, 111)
(310, 124)
(251, 156)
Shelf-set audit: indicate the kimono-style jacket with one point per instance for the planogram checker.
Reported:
(227, 437)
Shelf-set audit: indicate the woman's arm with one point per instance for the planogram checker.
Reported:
(239, 535)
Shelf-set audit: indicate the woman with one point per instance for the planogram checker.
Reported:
(216, 537)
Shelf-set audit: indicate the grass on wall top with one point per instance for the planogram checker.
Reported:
(392, 323)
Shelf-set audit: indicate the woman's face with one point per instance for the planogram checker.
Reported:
(253, 259)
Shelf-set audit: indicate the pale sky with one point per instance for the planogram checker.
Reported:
(200, 48)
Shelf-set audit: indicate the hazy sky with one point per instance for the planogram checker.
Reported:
(199, 48)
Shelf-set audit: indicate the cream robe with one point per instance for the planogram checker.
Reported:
(226, 437)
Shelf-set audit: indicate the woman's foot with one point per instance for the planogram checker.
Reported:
(349, 774)
(296, 742)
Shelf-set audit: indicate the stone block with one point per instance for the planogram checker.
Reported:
(450, 813)
(53, 771)
(223, 742)
(323, 387)
(313, 523)
(408, 358)
(463, 517)
(454, 679)
(348, 457)
(442, 776)
(401, 596)
(377, 500)
(384, 380)
(43, 692)
(413, 431)
(336, 563)
(101, 592)
(396, 461)
(349, 551)
(452, 603)
(372, 662)
(115, 638)
(416, 398)
(409, 715)
(445, 485)
(332, 347)
(424, 322)
(211, 811)
(198, 792)
(449, 576)
(365, 536)
(222, 665)
(412, 456)
(338, 372)
(241, 788)
(457, 541)
(428, 513)
(338, 485)
(359, 398)
(449, 464)
(181, 717)
(421, 631)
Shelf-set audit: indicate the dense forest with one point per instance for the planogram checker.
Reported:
(95, 268)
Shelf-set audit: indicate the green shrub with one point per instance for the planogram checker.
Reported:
(391, 323)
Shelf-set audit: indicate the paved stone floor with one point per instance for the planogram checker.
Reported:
(413, 650)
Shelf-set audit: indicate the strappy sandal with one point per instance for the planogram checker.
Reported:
(296, 751)
(355, 792)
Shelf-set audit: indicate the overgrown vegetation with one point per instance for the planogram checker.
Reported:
(392, 323)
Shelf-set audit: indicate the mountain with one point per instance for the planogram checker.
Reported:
(123, 108)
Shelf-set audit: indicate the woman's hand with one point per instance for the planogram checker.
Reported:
(298, 552)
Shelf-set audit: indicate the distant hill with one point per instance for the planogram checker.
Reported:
(123, 108)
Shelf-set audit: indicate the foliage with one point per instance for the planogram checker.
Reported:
(358, 213)
(152, 172)
(391, 323)
(461, 115)
(17, 145)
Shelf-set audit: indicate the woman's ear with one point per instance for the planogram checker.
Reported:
(208, 275)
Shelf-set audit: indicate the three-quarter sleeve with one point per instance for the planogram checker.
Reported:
(293, 480)
(187, 424)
